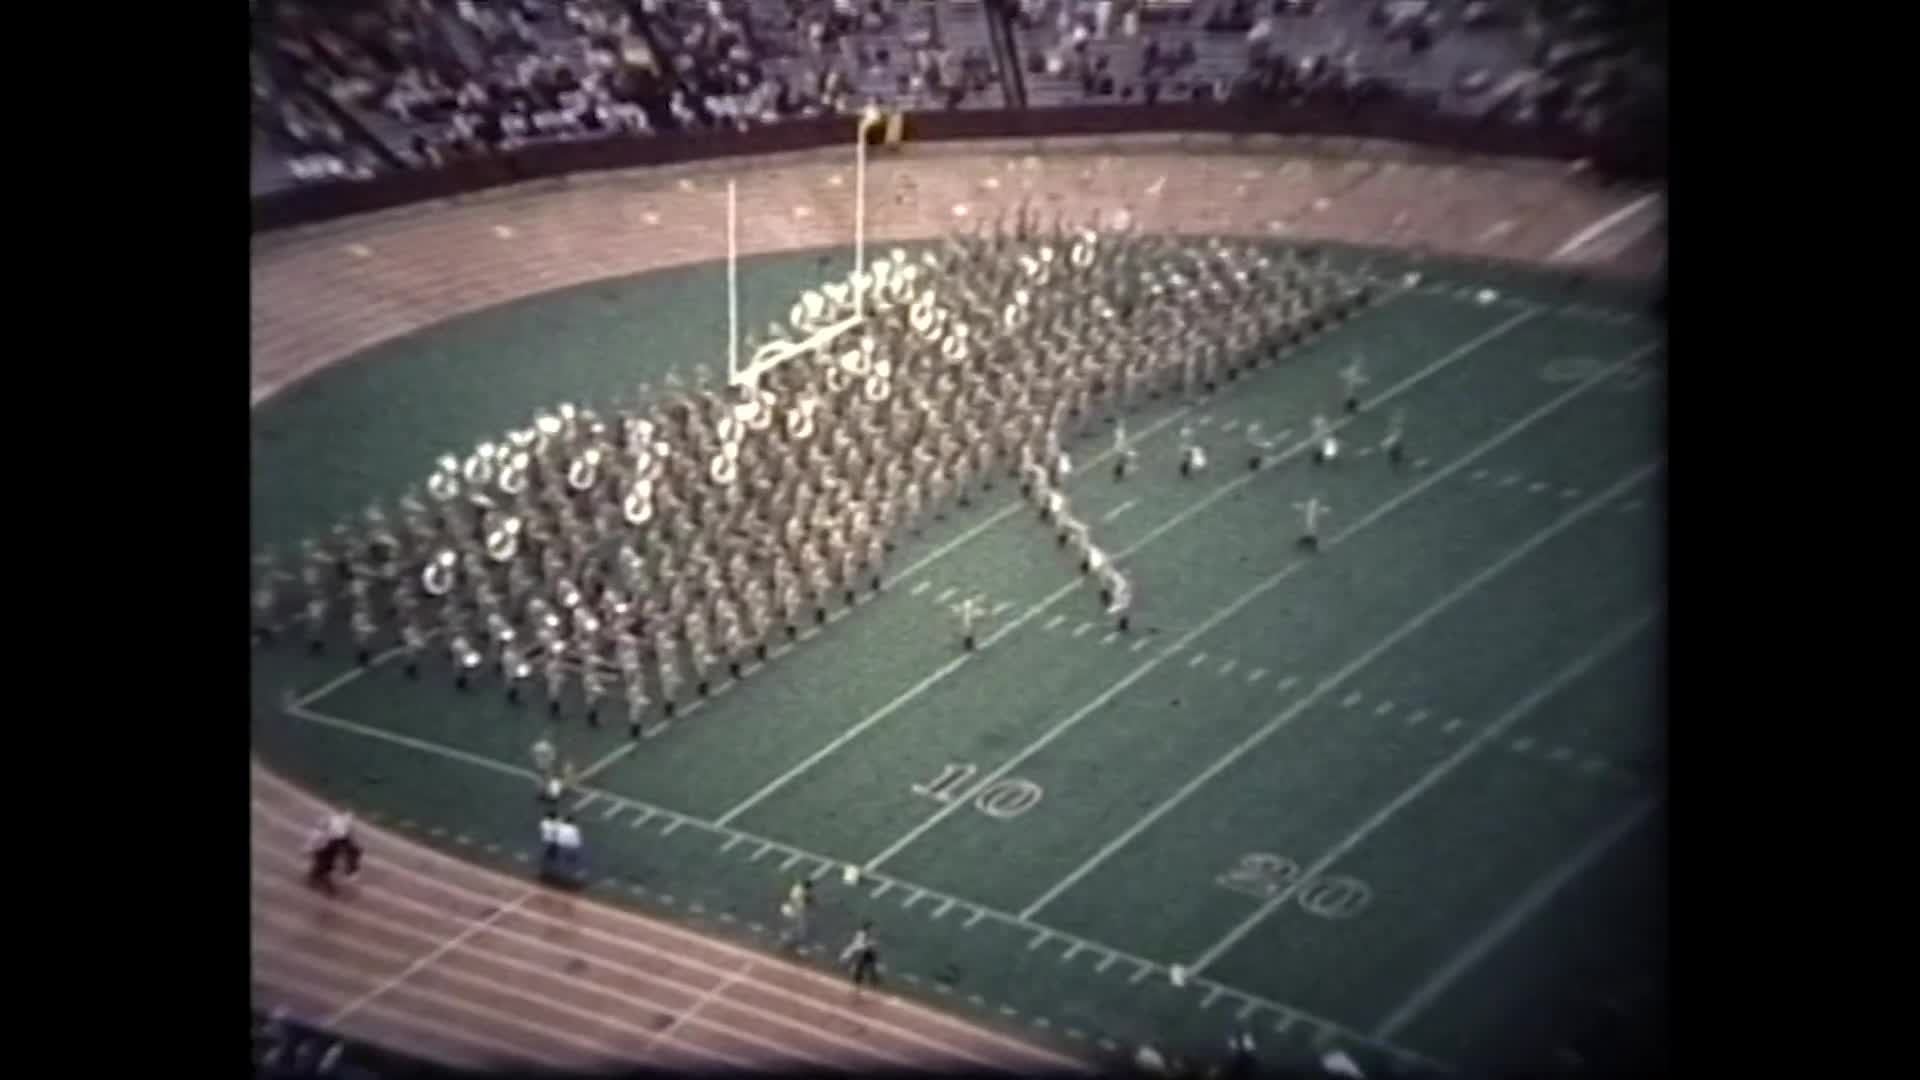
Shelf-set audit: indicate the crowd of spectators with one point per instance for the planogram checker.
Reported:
(427, 81)
(1579, 63)
(284, 1049)
(287, 1048)
(347, 88)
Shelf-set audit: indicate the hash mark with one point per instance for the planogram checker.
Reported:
(942, 909)
(1082, 629)
(1140, 973)
(978, 914)
(921, 587)
(791, 859)
(1055, 621)
(1383, 709)
(1138, 645)
(1198, 659)
(1350, 700)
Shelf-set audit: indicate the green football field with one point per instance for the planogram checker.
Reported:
(1399, 796)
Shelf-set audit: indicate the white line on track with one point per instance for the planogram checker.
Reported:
(446, 947)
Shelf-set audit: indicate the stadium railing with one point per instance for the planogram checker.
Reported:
(1392, 120)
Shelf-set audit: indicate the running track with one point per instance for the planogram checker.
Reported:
(469, 967)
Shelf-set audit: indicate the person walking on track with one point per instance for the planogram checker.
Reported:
(796, 910)
(862, 956)
(332, 842)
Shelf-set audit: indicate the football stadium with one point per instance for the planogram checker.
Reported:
(943, 536)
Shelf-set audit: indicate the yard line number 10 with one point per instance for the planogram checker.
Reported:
(1005, 798)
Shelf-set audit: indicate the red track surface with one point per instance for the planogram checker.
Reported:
(459, 964)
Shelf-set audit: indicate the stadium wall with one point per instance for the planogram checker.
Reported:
(1390, 121)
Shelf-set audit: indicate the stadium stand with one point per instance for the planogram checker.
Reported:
(285, 1048)
(352, 89)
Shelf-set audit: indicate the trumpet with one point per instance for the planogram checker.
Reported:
(437, 577)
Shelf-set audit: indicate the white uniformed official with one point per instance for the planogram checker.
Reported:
(566, 838)
(549, 842)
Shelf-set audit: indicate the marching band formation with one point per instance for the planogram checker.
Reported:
(642, 554)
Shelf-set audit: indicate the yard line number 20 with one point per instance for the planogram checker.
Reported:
(1264, 876)
(1005, 798)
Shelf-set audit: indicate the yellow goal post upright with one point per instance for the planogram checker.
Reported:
(775, 353)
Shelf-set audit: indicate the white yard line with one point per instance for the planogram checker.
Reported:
(1515, 916)
(1247, 597)
(1219, 493)
(427, 960)
(1467, 749)
(1329, 684)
